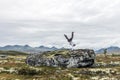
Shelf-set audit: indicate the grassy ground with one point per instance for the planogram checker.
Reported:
(13, 53)
(14, 68)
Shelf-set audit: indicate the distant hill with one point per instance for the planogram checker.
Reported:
(111, 49)
(13, 53)
(27, 48)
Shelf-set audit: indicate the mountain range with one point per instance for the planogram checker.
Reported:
(111, 49)
(29, 49)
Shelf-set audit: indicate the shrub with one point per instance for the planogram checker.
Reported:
(7, 68)
(27, 71)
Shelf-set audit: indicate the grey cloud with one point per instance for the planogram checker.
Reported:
(43, 22)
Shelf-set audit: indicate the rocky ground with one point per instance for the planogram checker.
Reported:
(104, 68)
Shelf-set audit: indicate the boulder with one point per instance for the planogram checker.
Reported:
(63, 58)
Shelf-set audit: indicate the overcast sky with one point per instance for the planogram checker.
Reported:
(96, 23)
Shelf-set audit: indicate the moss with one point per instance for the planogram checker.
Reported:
(51, 54)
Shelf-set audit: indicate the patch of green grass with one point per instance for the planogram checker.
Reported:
(13, 53)
(115, 55)
(27, 71)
